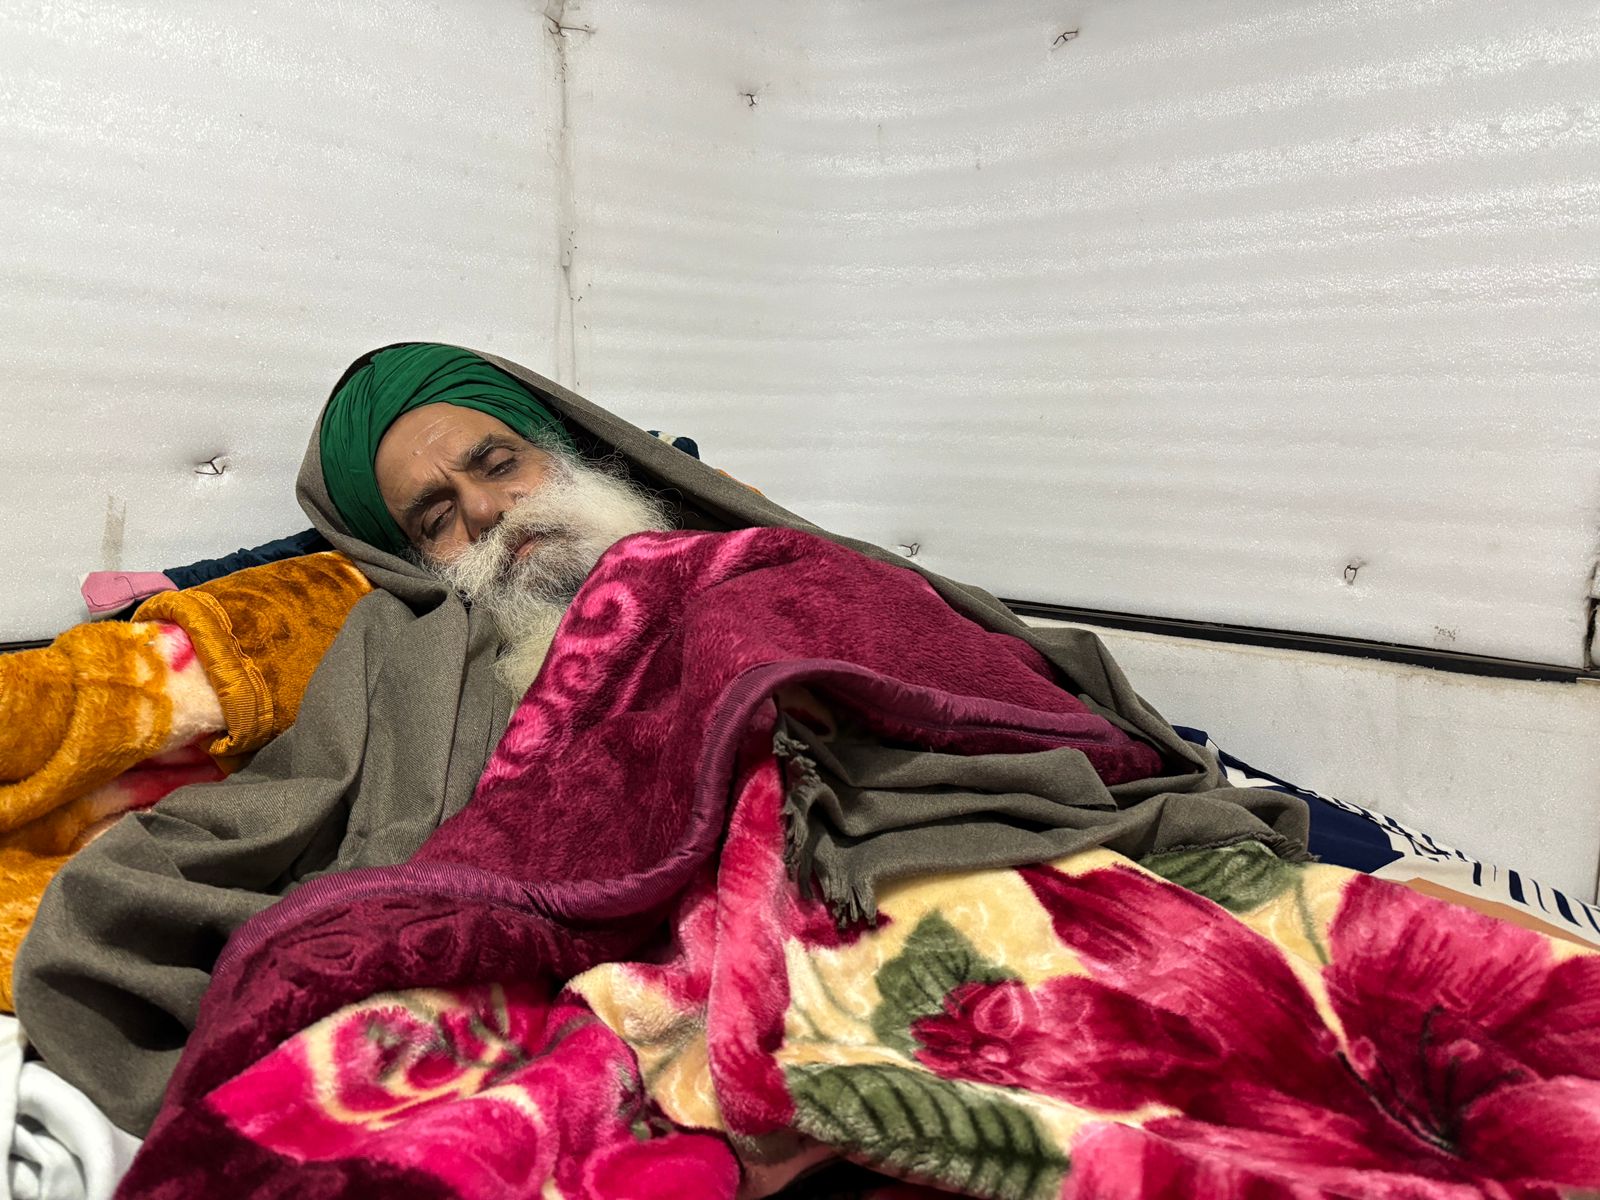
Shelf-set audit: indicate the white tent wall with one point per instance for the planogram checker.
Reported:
(1263, 313)
(1278, 314)
(208, 211)
(1505, 770)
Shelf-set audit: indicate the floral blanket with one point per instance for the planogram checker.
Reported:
(1212, 1023)
(602, 978)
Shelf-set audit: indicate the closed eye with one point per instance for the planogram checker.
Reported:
(434, 525)
(433, 522)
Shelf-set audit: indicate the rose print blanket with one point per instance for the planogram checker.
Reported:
(1208, 1024)
(609, 976)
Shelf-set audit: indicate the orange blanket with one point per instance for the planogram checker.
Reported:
(114, 715)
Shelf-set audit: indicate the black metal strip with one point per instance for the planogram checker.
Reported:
(8, 647)
(1246, 635)
(1278, 639)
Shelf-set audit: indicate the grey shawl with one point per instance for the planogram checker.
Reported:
(393, 732)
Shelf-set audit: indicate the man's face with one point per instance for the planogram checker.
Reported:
(449, 474)
(515, 529)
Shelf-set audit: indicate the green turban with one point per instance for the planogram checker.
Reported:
(392, 383)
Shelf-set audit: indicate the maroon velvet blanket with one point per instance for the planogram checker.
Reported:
(608, 795)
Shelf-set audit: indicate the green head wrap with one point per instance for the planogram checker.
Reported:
(393, 383)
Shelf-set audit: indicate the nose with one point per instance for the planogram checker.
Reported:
(482, 509)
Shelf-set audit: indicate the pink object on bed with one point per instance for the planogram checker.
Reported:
(110, 591)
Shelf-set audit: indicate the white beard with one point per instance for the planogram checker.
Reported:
(580, 511)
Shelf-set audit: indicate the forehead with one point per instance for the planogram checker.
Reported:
(418, 445)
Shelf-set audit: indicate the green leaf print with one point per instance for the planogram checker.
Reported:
(1241, 878)
(935, 959)
(911, 1122)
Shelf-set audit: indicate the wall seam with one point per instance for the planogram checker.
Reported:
(564, 340)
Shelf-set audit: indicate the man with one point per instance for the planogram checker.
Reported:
(478, 481)
(467, 490)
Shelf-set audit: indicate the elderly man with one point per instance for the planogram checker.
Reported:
(476, 497)
(432, 453)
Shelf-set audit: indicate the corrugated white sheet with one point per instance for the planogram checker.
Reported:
(1270, 313)
(206, 211)
(1265, 312)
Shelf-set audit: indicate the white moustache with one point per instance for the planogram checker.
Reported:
(527, 568)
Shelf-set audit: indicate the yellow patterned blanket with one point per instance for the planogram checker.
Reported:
(114, 715)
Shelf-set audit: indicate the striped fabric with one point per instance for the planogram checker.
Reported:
(1348, 835)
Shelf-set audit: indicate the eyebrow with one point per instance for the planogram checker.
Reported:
(472, 457)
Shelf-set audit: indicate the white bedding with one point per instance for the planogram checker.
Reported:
(62, 1146)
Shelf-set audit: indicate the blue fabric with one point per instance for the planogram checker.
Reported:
(688, 445)
(207, 569)
(1347, 840)
(1344, 839)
